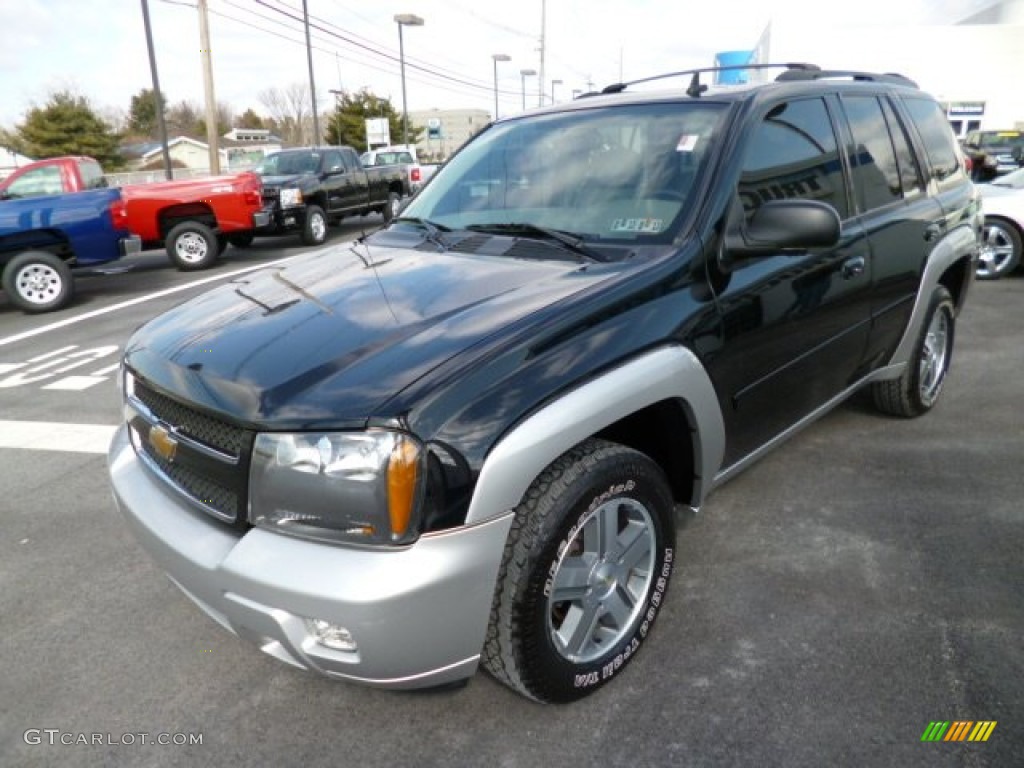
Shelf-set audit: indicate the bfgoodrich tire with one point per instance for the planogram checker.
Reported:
(918, 389)
(584, 573)
(38, 281)
(192, 245)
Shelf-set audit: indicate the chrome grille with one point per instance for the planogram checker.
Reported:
(209, 463)
(206, 429)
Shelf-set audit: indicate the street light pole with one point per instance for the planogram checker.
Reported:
(524, 73)
(405, 20)
(337, 114)
(553, 84)
(498, 57)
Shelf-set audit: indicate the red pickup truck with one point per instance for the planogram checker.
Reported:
(193, 218)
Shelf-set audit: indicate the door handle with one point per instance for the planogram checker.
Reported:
(853, 267)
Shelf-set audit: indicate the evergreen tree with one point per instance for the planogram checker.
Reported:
(67, 125)
(142, 116)
(347, 123)
(250, 119)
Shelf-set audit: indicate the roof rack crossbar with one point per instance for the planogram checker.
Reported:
(696, 89)
(894, 78)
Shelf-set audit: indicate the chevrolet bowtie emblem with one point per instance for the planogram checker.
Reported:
(161, 441)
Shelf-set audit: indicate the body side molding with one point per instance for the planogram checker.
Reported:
(663, 374)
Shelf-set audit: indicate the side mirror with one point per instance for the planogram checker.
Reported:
(783, 225)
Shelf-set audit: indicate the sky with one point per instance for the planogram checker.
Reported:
(97, 48)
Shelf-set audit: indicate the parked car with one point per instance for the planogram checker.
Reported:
(308, 187)
(43, 238)
(53, 176)
(1003, 205)
(193, 218)
(462, 439)
(398, 155)
(993, 153)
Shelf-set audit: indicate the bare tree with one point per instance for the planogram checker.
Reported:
(289, 108)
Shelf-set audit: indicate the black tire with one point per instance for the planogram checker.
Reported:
(556, 650)
(390, 209)
(918, 389)
(38, 281)
(241, 239)
(1000, 249)
(314, 228)
(191, 245)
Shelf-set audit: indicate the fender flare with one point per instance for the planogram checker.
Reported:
(667, 373)
(958, 244)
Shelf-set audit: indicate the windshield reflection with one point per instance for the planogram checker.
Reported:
(623, 174)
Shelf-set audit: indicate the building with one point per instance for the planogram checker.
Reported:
(445, 130)
(969, 54)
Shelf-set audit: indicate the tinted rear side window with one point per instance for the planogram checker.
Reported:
(876, 175)
(937, 136)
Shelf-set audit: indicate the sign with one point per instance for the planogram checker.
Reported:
(433, 128)
(967, 108)
(377, 131)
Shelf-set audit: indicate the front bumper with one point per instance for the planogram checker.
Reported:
(419, 615)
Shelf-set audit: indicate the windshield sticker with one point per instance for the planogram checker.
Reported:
(648, 226)
(687, 142)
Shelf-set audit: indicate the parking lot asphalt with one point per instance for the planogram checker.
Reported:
(859, 583)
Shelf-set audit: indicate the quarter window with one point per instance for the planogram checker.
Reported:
(937, 136)
(794, 154)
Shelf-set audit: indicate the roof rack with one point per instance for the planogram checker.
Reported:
(821, 74)
(696, 88)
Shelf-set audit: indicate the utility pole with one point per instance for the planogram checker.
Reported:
(157, 96)
(211, 100)
(312, 83)
(543, 27)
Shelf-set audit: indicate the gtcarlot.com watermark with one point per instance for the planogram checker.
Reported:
(57, 737)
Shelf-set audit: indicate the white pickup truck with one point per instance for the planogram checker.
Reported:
(400, 154)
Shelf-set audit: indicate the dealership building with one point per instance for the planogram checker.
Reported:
(969, 54)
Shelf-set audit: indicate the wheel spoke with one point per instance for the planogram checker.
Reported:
(572, 580)
(635, 544)
(618, 605)
(578, 628)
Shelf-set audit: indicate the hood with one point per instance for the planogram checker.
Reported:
(270, 182)
(327, 339)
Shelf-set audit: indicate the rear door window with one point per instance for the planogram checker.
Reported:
(876, 174)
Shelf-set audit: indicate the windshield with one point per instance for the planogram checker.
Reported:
(288, 163)
(622, 174)
(1001, 139)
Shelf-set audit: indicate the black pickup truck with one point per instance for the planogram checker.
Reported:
(306, 188)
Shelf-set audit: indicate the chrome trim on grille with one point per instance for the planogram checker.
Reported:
(144, 411)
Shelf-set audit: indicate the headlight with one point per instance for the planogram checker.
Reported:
(291, 197)
(338, 486)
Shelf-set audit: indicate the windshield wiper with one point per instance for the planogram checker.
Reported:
(569, 240)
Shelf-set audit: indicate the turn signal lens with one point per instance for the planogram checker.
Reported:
(403, 483)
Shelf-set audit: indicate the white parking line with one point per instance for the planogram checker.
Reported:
(133, 302)
(56, 436)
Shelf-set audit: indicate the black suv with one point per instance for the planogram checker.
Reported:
(465, 437)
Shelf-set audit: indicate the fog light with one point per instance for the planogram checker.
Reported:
(331, 636)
